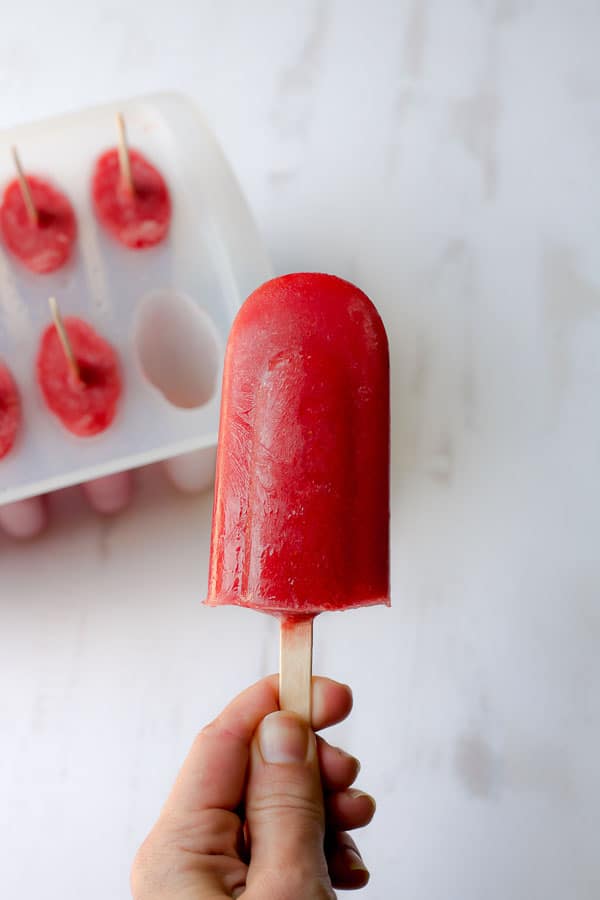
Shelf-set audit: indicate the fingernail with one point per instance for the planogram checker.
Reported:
(358, 795)
(283, 738)
(354, 861)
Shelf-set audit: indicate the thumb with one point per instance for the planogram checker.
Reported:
(284, 812)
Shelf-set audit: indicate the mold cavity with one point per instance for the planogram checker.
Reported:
(178, 348)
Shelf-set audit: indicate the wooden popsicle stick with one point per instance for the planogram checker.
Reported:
(295, 667)
(25, 189)
(64, 339)
(124, 158)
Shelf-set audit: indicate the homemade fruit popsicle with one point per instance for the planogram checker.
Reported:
(10, 410)
(137, 218)
(45, 243)
(85, 406)
(301, 511)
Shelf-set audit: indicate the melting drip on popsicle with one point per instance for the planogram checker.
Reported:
(301, 510)
(79, 375)
(37, 221)
(130, 196)
(10, 410)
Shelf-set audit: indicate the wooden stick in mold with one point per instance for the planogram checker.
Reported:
(124, 158)
(25, 189)
(64, 339)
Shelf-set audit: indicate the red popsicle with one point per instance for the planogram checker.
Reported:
(130, 196)
(86, 403)
(10, 410)
(301, 510)
(37, 221)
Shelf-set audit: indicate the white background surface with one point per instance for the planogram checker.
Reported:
(445, 157)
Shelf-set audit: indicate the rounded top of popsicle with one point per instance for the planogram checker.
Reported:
(301, 512)
(309, 304)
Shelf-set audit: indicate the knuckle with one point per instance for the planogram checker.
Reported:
(286, 803)
(213, 731)
(176, 850)
(213, 832)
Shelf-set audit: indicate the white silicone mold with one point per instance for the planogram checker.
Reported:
(167, 309)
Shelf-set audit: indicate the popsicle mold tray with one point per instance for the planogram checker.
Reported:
(166, 309)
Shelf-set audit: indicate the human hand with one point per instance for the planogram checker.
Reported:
(261, 808)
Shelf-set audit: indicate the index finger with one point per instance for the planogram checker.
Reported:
(214, 774)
